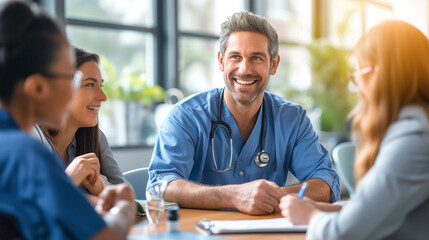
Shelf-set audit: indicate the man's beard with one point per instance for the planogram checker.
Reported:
(259, 90)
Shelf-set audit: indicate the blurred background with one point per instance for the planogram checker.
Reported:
(156, 52)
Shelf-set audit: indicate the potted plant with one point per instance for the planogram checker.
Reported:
(329, 99)
(330, 85)
(133, 103)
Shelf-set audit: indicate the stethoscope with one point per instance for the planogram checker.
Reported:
(261, 158)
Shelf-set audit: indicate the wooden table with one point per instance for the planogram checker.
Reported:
(189, 217)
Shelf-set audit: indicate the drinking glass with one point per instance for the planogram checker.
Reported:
(154, 206)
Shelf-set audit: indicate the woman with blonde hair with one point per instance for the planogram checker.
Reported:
(391, 131)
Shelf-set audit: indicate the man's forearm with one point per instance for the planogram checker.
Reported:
(193, 195)
(317, 189)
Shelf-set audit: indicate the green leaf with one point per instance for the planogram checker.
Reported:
(130, 86)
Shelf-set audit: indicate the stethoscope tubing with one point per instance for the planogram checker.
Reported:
(220, 122)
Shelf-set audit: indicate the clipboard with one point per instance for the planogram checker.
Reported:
(274, 225)
(175, 236)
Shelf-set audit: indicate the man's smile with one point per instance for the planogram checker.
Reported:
(244, 82)
(245, 79)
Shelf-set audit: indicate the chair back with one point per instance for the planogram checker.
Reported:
(343, 156)
(138, 179)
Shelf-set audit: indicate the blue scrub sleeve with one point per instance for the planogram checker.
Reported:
(50, 206)
(312, 160)
(66, 205)
(174, 152)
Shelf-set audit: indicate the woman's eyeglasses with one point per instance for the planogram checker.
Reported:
(353, 74)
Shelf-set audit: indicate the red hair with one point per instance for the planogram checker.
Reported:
(399, 54)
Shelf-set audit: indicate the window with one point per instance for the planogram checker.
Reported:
(349, 19)
(292, 19)
(199, 29)
(127, 12)
(123, 34)
(206, 16)
(293, 23)
(174, 43)
(198, 69)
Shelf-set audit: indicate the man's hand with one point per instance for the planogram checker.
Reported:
(257, 197)
(83, 167)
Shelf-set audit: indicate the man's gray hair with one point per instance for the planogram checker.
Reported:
(249, 22)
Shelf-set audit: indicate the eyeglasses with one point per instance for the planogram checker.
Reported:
(353, 74)
(77, 77)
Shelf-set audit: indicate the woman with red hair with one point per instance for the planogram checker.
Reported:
(391, 131)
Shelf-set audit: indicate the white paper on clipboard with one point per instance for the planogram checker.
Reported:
(250, 226)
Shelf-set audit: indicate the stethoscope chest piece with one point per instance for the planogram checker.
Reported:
(262, 159)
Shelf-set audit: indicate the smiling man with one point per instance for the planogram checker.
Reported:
(233, 147)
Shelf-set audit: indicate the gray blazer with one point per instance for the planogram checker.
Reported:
(392, 200)
(108, 165)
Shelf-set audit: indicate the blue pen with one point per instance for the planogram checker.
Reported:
(302, 190)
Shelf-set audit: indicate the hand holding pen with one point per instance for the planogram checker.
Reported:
(302, 190)
(295, 209)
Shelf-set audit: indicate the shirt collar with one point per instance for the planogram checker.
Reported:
(413, 111)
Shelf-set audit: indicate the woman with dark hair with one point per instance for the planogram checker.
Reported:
(37, 199)
(80, 143)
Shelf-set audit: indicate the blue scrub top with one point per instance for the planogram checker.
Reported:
(36, 196)
(183, 149)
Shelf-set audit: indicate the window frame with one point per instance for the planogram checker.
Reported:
(167, 35)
